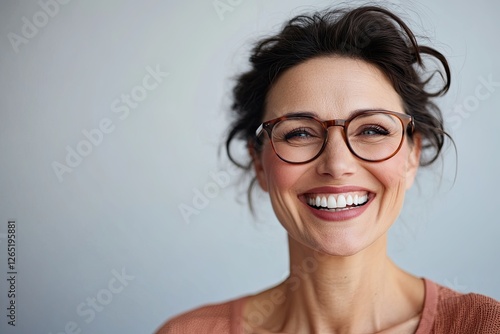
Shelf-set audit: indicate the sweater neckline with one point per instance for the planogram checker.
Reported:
(424, 325)
(430, 308)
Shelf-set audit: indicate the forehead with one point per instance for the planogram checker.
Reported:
(331, 87)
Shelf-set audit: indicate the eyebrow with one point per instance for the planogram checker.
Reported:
(300, 113)
(313, 114)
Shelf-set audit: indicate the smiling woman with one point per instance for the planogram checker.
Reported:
(338, 117)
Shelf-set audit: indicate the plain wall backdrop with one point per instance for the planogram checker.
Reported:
(111, 117)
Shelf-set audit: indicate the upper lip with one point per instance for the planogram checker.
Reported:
(335, 190)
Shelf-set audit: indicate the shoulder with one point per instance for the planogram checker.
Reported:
(469, 312)
(214, 318)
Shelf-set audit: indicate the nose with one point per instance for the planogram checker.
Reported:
(336, 160)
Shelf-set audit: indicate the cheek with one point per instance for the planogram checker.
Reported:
(391, 174)
(280, 176)
(282, 180)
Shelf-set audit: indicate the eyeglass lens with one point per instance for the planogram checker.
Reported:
(370, 136)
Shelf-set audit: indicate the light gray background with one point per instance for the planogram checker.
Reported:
(118, 210)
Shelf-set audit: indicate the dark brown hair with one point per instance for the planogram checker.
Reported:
(369, 33)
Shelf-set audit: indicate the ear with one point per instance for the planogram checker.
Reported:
(413, 160)
(257, 166)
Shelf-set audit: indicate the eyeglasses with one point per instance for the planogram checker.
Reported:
(374, 135)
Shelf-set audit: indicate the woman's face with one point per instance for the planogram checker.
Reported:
(334, 88)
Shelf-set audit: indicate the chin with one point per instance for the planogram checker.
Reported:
(339, 246)
(343, 251)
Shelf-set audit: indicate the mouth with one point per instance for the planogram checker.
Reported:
(337, 202)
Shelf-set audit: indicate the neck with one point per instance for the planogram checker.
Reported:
(335, 294)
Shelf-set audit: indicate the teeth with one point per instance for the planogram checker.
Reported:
(339, 202)
(363, 199)
(332, 202)
(349, 200)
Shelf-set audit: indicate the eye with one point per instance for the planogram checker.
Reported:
(373, 130)
(298, 131)
(297, 134)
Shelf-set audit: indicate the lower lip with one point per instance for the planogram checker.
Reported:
(339, 215)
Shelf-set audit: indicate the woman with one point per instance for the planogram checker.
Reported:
(338, 117)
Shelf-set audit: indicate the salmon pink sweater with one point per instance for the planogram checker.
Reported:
(445, 312)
